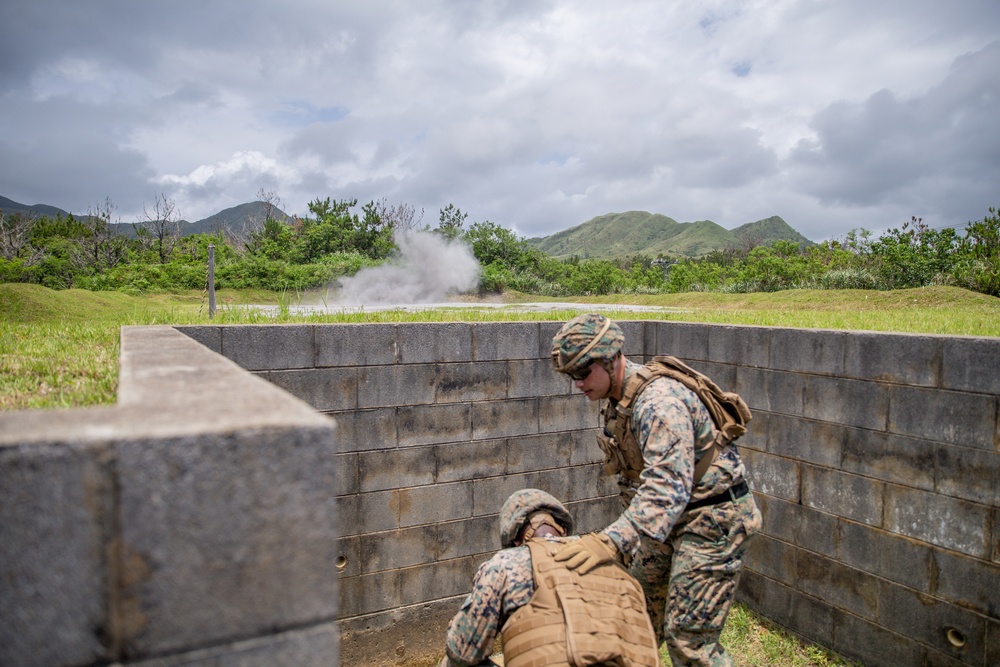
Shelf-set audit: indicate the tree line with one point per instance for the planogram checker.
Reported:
(336, 240)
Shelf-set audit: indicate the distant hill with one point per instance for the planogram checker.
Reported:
(635, 232)
(11, 206)
(232, 218)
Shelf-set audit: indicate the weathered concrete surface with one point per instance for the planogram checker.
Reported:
(195, 521)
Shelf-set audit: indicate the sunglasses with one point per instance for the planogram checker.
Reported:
(580, 373)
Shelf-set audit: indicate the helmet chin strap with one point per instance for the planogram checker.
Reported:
(614, 391)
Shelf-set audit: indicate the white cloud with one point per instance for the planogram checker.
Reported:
(537, 116)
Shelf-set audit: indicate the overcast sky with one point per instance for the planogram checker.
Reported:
(536, 115)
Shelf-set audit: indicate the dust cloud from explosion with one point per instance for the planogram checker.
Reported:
(427, 269)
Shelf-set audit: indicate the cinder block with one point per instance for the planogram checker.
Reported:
(956, 418)
(872, 644)
(889, 457)
(355, 344)
(586, 481)
(681, 339)
(316, 646)
(946, 522)
(884, 554)
(369, 593)
(346, 477)
(992, 642)
(772, 558)
(848, 402)
(546, 332)
(56, 514)
(723, 375)
(773, 475)
(377, 511)
(432, 424)
(395, 549)
(594, 513)
(505, 340)
(490, 493)
(837, 584)
(772, 391)
(210, 337)
(408, 466)
(348, 563)
(805, 440)
(391, 386)
(745, 346)
(928, 620)
(324, 389)
(361, 430)
(971, 364)
(481, 381)
(850, 496)
(808, 351)
(804, 614)
(411, 635)
(470, 460)
(468, 537)
(435, 503)
(434, 342)
(795, 524)
(567, 413)
(269, 347)
(553, 450)
(969, 474)
(893, 358)
(968, 582)
(536, 377)
(225, 537)
(757, 433)
(437, 581)
(501, 419)
(635, 337)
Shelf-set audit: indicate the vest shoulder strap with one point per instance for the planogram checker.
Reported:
(728, 409)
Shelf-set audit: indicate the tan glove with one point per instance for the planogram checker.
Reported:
(586, 553)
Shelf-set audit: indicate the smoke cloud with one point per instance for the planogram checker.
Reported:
(427, 269)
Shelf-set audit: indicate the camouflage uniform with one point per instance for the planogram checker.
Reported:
(619, 630)
(503, 584)
(688, 562)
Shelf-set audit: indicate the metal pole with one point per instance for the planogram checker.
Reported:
(211, 281)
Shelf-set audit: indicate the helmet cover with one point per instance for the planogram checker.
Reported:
(584, 340)
(519, 507)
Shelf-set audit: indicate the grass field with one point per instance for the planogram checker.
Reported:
(60, 349)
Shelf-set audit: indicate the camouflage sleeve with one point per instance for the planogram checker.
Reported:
(667, 430)
(502, 585)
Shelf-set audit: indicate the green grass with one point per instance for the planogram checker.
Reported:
(60, 348)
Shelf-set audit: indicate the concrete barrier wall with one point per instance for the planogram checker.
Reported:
(191, 524)
(875, 458)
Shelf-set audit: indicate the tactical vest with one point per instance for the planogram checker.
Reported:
(575, 620)
(620, 446)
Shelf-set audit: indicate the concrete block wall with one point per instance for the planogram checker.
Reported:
(875, 459)
(190, 524)
(436, 425)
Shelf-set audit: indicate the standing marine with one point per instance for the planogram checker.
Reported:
(687, 507)
(543, 612)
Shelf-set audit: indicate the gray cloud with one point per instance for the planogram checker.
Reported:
(537, 116)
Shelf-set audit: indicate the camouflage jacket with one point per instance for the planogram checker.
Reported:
(502, 585)
(669, 420)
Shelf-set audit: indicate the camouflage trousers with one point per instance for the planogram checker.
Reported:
(690, 580)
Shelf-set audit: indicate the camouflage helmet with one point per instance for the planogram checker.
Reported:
(584, 340)
(519, 507)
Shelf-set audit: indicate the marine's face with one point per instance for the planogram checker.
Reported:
(593, 381)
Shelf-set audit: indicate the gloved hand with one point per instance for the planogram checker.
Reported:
(586, 553)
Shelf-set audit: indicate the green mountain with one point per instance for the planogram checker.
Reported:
(11, 206)
(635, 232)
